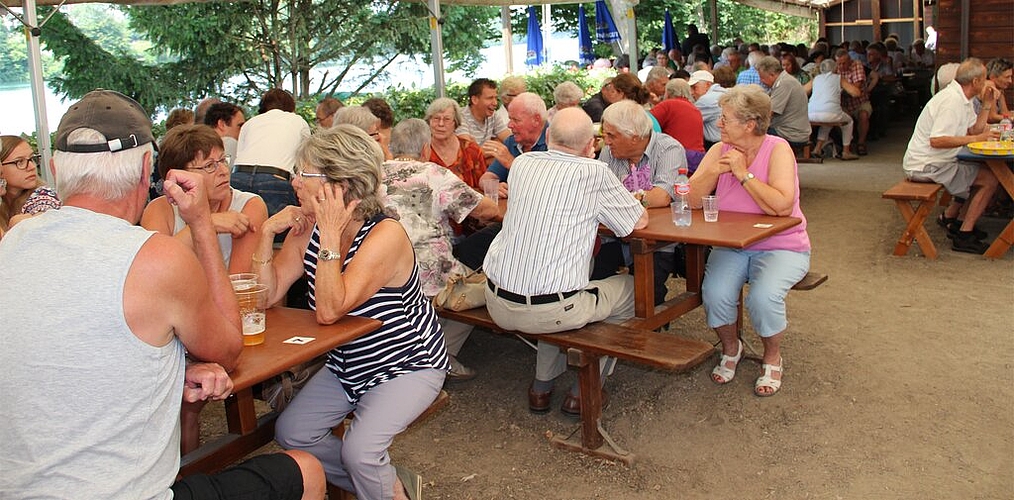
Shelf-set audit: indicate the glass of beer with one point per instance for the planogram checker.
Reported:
(253, 301)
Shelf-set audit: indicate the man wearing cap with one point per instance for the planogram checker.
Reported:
(95, 371)
(266, 152)
(706, 94)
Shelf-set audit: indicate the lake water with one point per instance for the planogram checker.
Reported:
(19, 116)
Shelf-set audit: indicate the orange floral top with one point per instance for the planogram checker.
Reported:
(469, 165)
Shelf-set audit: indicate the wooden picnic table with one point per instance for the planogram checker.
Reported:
(733, 230)
(260, 363)
(1000, 165)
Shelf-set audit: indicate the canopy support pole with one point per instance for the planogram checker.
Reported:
(508, 37)
(437, 42)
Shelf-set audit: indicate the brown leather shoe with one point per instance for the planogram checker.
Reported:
(572, 405)
(538, 402)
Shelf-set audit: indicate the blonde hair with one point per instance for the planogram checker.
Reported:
(350, 157)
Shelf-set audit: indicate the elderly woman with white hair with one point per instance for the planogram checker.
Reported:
(459, 154)
(754, 172)
(825, 106)
(682, 120)
(358, 262)
(566, 95)
(364, 119)
(428, 199)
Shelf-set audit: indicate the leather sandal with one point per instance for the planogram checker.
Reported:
(768, 381)
(722, 374)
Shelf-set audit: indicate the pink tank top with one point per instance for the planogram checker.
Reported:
(733, 197)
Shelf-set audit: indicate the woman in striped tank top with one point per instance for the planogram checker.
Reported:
(358, 262)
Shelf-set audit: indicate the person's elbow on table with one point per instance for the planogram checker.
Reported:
(642, 222)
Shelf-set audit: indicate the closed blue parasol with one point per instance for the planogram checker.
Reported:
(536, 54)
(669, 41)
(585, 53)
(605, 28)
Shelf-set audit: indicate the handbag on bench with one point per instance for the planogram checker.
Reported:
(463, 292)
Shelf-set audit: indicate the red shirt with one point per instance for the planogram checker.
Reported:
(469, 165)
(682, 121)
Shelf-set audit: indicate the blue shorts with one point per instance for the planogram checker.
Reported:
(771, 274)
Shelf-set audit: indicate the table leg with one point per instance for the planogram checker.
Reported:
(644, 278)
(240, 413)
(1004, 241)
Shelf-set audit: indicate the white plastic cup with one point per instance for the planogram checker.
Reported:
(491, 188)
(710, 204)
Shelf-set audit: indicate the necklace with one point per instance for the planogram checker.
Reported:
(405, 158)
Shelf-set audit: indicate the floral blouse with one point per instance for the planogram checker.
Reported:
(427, 198)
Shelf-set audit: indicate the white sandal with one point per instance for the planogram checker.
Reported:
(768, 381)
(722, 374)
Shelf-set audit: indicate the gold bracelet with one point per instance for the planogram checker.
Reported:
(261, 262)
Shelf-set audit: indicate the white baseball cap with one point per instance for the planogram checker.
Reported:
(701, 76)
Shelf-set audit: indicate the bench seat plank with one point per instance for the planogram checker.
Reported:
(658, 350)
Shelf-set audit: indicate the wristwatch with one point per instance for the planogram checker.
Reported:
(327, 254)
(748, 176)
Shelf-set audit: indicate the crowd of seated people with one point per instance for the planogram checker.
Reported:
(325, 192)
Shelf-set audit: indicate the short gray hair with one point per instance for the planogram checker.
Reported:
(358, 116)
(512, 84)
(350, 157)
(678, 87)
(657, 73)
(106, 175)
(828, 66)
(567, 94)
(441, 104)
(754, 57)
(748, 102)
(532, 103)
(969, 70)
(769, 65)
(628, 118)
(573, 131)
(409, 137)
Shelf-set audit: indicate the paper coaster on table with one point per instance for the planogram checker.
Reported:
(299, 340)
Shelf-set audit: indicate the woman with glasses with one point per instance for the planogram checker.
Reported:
(24, 192)
(753, 172)
(461, 155)
(236, 214)
(359, 262)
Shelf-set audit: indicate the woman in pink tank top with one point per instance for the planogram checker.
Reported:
(751, 172)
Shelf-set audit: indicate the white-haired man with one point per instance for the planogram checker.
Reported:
(646, 163)
(946, 123)
(750, 75)
(528, 124)
(96, 373)
(538, 265)
(789, 116)
(706, 94)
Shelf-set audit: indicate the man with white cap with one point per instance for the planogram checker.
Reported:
(95, 374)
(706, 94)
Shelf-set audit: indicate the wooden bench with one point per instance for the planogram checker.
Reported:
(924, 194)
(585, 347)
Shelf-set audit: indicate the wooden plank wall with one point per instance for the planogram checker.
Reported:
(990, 31)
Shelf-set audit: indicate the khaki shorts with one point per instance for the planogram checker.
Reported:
(956, 177)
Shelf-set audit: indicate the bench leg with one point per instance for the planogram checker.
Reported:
(915, 229)
(592, 434)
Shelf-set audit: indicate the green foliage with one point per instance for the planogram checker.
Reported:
(734, 20)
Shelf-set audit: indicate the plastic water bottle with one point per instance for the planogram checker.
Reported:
(1006, 129)
(682, 188)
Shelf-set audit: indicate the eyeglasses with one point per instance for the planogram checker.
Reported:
(212, 166)
(308, 175)
(22, 163)
(723, 120)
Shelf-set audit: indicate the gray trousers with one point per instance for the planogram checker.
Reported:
(359, 462)
(613, 303)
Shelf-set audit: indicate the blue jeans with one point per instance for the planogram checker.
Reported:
(771, 274)
(276, 192)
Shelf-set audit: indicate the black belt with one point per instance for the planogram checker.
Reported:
(264, 169)
(549, 298)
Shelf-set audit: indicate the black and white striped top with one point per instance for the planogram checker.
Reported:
(409, 340)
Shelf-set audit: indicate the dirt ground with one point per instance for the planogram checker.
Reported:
(898, 384)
